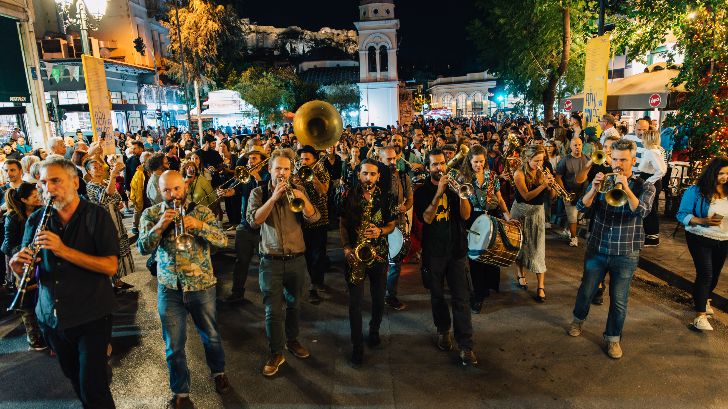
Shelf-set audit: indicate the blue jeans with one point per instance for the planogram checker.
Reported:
(621, 270)
(393, 273)
(174, 305)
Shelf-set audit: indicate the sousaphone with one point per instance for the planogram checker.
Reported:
(319, 124)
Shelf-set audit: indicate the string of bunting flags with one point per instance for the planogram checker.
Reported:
(58, 72)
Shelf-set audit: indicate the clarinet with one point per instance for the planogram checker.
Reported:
(29, 268)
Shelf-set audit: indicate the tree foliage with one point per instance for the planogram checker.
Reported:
(265, 90)
(698, 29)
(212, 38)
(535, 46)
(344, 97)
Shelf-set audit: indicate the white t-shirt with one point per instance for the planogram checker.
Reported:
(653, 162)
(720, 232)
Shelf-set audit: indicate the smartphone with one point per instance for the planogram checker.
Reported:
(718, 216)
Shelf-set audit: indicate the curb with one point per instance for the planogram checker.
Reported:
(676, 280)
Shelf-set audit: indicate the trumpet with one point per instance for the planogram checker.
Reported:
(294, 203)
(306, 173)
(29, 269)
(555, 186)
(598, 157)
(613, 191)
(464, 190)
(183, 241)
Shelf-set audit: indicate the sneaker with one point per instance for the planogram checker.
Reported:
(373, 340)
(574, 242)
(313, 297)
(708, 309)
(575, 328)
(598, 297)
(395, 303)
(652, 242)
(357, 358)
(468, 358)
(222, 384)
(298, 350)
(180, 402)
(614, 350)
(444, 341)
(273, 364)
(701, 322)
(37, 345)
(564, 233)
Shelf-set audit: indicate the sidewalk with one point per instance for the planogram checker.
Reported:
(671, 262)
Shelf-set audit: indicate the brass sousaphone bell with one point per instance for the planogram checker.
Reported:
(319, 124)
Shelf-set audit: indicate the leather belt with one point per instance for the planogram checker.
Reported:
(283, 257)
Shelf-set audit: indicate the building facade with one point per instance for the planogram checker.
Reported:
(468, 95)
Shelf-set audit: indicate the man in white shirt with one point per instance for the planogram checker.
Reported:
(641, 126)
(607, 123)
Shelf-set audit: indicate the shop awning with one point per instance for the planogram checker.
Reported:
(649, 90)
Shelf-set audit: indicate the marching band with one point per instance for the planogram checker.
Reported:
(458, 205)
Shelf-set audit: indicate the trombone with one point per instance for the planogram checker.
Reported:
(242, 175)
(306, 173)
(613, 191)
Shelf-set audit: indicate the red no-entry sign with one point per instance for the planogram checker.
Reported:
(655, 100)
(567, 105)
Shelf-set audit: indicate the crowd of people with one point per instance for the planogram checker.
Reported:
(426, 183)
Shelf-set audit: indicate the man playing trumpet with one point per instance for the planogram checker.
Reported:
(186, 283)
(615, 242)
(366, 200)
(274, 208)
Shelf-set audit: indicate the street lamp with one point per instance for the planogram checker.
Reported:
(84, 8)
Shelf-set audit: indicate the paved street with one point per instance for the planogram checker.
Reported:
(526, 358)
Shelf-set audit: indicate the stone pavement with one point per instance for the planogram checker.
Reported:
(526, 358)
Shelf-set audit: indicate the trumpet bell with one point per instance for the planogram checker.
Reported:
(616, 197)
(598, 157)
(184, 242)
(305, 174)
(296, 205)
(318, 123)
(242, 174)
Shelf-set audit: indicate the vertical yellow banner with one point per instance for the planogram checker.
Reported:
(595, 80)
(99, 101)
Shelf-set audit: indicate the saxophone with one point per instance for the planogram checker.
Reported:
(364, 253)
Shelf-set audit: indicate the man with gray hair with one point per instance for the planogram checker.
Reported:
(607, 123)
(615, 242)
(75, 297)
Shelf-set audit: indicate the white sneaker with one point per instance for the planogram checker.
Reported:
(564, 233)
(701, 322)
(574, 242)
(709, 309)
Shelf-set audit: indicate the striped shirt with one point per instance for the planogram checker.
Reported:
(640, 149)
(617, 230)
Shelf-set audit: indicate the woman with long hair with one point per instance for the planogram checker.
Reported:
(703, 211)
(652, 168)
(102, 190)
(486, 198)
(199, 187)
(532, 192)
(21, 203)
(348, 173)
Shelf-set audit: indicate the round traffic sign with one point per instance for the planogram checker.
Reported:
(655, 100)
(567, 105)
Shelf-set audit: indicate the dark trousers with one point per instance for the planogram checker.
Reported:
(455, 270)
(232, 208)
(316, 258)
(377, 286)
(81, 352)
(485, 277)
(651, 223)
(246, 245)
(708, 256)
(281, 282)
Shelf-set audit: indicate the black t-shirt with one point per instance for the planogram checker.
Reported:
(69, 295)
(596, 169)
(445, 236)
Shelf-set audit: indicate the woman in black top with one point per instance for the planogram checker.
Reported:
(22, 202)
(532, 191)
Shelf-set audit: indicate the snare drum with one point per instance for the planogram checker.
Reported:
(494, 241)
(396, 241)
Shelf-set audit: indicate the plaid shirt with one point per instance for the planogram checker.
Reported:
(618, 231)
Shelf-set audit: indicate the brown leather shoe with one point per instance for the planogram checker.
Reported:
(297, 349)
(274, 362)
(180, 402)
(222, 384)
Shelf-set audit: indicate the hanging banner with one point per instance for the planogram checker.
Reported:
(595, 80)
(99, 102)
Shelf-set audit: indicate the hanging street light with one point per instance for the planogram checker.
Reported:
(95, 8)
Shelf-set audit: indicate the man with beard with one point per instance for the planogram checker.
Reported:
(444, 247)
(401, 191)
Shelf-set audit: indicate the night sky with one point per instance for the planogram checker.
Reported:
(432, 34)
